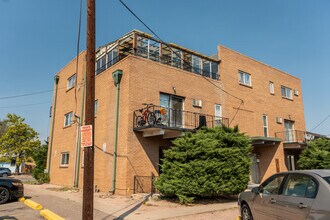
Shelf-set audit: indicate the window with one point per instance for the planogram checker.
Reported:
(68, 119)
(218, 115)
(271, 87)
(112, 57)
(174, 109)
(265, 125)
(244, 78)
(286, 92)
(65, 159)
(300, 186)
(176, 58)
(272, 185)
(214, 70)
(196, 64)
(210, 69)
(100, 65)
(71, 82)
(96, 106)
(148, 48)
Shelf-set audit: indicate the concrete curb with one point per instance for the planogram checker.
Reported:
(32, 204)
(50, 215)
(22, 199)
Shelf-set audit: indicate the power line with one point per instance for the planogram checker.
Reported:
(320, 123)
(33, 93)
(16, 106)
(184, 62)
(137, 17)
(27, 94)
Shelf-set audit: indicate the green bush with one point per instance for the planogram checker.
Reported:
(316, 155)
(209, 163)
(42, 177)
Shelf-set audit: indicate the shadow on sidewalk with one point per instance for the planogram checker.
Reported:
(128, 212)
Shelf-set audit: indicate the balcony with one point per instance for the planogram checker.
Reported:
(155, 120)
(293, 139)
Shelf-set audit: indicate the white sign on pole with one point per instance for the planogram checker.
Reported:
(86, 136)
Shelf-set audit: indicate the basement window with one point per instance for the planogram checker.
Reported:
(65, 159)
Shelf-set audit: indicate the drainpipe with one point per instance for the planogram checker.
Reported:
(117, 75)
(78, 140)
(56, 79)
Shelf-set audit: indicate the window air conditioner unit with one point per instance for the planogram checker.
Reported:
(296, 92)
(279, 120)
(197, 103)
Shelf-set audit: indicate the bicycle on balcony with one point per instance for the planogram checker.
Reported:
(151, 116)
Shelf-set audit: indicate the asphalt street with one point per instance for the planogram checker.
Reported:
(65, 208)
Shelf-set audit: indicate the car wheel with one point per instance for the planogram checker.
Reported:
(246, 212)
(4, 175)
(4, 195)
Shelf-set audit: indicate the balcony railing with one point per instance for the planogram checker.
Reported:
(161, 117)
(293, 136)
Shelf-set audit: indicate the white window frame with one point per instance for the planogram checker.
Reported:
(68, 119)
(242, 78)
(271, 88)
(66, 157)
(287, 92)
(218, 115)
(71, 82)
(265, 125)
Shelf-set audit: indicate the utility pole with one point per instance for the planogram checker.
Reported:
(88, 190)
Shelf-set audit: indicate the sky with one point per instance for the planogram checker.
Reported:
(38, 38)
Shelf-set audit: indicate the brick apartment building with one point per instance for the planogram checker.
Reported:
(187, 90)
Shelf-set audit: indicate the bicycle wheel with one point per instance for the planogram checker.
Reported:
(140, 121)
(151, 118)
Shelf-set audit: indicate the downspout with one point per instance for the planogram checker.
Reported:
(56, 79)
(78, 141)
(117, 75)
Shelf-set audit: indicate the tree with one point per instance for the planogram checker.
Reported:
(316, 155)
(40, 158)
(3, 127)
(19, 140)
(211, 162)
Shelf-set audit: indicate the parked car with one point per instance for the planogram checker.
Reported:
(4, 172)
(289, 195)
(10, 189)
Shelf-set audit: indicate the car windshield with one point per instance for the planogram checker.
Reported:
(327, 178)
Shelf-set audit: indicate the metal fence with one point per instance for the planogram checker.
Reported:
(293, 136)
(157, 116)
(145, 184)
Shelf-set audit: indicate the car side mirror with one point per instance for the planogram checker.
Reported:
(255, 190)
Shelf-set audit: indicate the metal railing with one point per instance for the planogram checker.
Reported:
(157, 116)
(293, 136)
(145, 184)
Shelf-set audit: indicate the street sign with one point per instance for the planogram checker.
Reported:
(86, 136)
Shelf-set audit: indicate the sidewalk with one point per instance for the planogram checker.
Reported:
(135, 207)
(153, 210)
